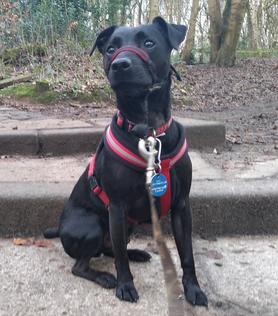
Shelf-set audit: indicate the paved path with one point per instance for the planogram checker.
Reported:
(239, 276)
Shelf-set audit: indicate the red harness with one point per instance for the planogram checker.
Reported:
(117, 147)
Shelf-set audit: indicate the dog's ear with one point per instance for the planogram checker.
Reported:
(102, 38)
(175, 33)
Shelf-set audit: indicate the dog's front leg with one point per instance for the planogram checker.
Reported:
(182, 229)
(118, 231)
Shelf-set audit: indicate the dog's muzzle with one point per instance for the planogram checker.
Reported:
(144, 56)
(135, 50)
(124, 63)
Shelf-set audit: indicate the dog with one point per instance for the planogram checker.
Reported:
(110, 197)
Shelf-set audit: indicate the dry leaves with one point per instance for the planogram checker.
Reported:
(219, 89)
(42, 243)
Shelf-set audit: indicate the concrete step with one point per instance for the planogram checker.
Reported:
(64, 137)
(33, 191)
(219, 207)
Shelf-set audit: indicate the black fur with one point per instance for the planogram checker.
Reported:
(87, 229)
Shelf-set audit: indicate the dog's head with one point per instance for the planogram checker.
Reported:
(136, 58)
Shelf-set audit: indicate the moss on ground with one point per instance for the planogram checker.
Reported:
(96, 95)
(28, 90)
(49, 96)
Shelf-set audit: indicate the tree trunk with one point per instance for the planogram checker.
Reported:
(123, 12)
(233, 17)
(254, 8)
(249, 26)
(214, 11)
(139, 19)
(178, 10)
(154, 9)
(260, 23)
(190, 39)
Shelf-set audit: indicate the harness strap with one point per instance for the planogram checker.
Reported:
(135, 160)
(122, 151)
(166, 199)
(96, 188)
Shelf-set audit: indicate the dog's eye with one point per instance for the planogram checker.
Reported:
(149, 43)
(110, 50)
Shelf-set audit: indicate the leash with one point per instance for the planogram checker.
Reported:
(176, 306)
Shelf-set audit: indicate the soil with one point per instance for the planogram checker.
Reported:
(244, 98)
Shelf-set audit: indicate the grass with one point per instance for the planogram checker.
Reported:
(28, 90)
(260, 53)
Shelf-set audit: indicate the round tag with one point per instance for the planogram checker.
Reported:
(159, 185)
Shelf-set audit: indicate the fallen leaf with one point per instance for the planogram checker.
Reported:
(213, 254)
(43, 243)
(23, 241)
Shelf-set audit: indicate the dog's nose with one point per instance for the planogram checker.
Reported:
(121, 64)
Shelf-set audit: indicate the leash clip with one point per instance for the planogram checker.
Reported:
(148, 152)
(158, 164)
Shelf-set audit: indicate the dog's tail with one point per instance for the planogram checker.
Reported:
(51, 233)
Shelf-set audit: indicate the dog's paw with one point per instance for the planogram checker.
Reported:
(195, 295)
(106, 280)
(127, 292)
(138, 255)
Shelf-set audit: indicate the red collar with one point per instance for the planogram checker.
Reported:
(121, 120)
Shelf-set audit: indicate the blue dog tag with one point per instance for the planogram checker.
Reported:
(159, 185)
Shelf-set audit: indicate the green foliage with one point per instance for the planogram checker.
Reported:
(261, 53)
(19, 55)
(47, 21)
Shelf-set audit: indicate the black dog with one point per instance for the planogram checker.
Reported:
(96, 219)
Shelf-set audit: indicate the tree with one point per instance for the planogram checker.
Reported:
(215, 32)
(224, 36)
(253, 10)
(154, 9)
(190, 39)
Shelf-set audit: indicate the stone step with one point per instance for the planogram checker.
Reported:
(219, 207)
(65, 137)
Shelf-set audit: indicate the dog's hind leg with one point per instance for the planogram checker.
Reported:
(82, 269)
(135, 255)
(51, 233)
(82, 237)
(138, 255)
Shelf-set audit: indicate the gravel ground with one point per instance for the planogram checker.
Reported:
(238, 274)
